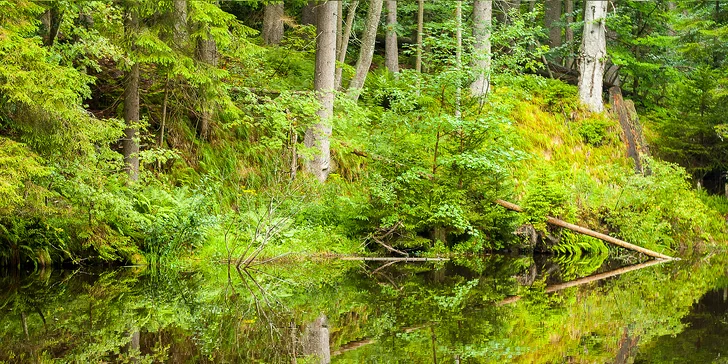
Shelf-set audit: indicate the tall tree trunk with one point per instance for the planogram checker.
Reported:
(458, 54)
(482, 24)
(317, 136)
(391, 52)
(420, 25)
(206, 53)
(593, 55)
(552, 16)
(179, 19)
(344, 45)
(130, 144)
(273, 23)
(568, 31)
(54, 18)
(367, 48)
(309, 12)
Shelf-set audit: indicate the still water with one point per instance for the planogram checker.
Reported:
(494, 309)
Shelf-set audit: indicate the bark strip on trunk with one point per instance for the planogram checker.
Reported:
(628, 132)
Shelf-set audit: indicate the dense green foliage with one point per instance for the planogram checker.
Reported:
(417, 160)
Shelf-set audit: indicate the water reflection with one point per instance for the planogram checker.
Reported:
(353, 312)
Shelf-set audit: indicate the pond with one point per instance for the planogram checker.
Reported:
(470, 310)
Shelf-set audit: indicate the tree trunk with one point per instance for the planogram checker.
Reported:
(309, 12)
(367, 48)
(569, 32)
(273, 23)
(593, 55)
(316, 339)
(206, 53)
(420, 22)
(179, 16)
(130, 144)
(458, 55)
(482, 23)
(344, 45)
(628, 131)
(317, 136)
(391, 52)
(552, 16)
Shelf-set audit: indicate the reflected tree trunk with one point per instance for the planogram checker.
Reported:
(316, 339)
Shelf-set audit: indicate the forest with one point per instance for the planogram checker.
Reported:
(149, 132)
(304, 181)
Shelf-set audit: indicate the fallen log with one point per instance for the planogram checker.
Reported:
(395, 259)
(589, 232)
(589, 279)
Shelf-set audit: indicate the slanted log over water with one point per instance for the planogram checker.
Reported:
(589, 232)
(589, 279)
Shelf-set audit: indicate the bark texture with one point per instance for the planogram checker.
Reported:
(552, 16)
(391, 52)
(568, 31)
(130, 144)
(273, 23)
(206, 53)
(308, 13)
(316, 340)
(367, 48)
(179, 21)
(593, 55)
(317, 136)
(344, 44)
(420, 22)
(482, 24)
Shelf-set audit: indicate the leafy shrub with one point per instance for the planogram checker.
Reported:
(594, 131)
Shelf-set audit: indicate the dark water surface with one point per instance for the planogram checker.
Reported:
(495, 309)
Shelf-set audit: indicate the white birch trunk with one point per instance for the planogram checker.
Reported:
(482, 23)
(593, 55)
